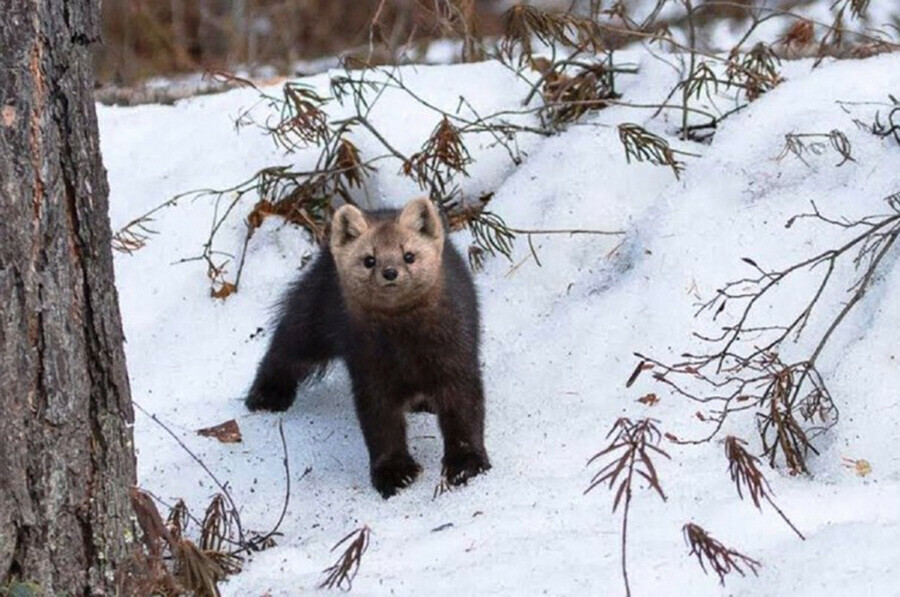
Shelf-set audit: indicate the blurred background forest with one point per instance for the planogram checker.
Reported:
(147, 38)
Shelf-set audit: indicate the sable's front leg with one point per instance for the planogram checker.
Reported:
(460, 410)
(294, 353)
(384, 429)
(275, 385)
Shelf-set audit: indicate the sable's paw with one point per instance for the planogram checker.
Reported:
(263, 400)
(459, 468)
(393, 473)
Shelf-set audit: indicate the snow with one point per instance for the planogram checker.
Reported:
(558, 345)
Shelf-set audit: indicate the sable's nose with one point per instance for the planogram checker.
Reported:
(389, 273)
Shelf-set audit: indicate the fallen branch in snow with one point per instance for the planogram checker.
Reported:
(721, 559)
(637, 441)
(305, 197)
(871, 245)
(791, 399)
(341, 574)
(787, 422)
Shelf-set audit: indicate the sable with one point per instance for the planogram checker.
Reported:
(396, 302)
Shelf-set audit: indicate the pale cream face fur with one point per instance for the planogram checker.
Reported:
(367, 250)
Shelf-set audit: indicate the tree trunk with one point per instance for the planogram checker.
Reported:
(66, 451)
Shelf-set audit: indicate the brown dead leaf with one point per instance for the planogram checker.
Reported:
(642, 366)
(541, 65)
(800, 34)
(227, 432)
(260, 211)
(860, 466)
(650, 399)
(223, 291)
(151, 523)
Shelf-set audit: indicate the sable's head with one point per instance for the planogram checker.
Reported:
(388, 262)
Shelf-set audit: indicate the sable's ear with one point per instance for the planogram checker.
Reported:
(348, 224)
(421, 216)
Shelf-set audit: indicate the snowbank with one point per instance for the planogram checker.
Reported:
(557, 350)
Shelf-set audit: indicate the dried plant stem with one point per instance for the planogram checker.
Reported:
(692, 66)
(857, 295)
(222, 486)
(744, 471)
(625, 510)
(630, 457)
(784, 517)
(263, 541)
(573, 231)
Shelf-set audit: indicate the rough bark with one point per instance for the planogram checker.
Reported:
(66, 453)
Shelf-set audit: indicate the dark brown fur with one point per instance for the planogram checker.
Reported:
(416, 352)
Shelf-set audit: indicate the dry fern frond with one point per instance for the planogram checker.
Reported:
(643, 145)
(858, 7)
(702, 81)
(630, 453)
(348, 164)
(132, 237)
(742, 466)
(757, 71)
(196, 570)
(217, 524)
(178, 519)
(568, 97)
(789, 419)
(891, 127)
(492, 234)
(443, 153)
(302, 121)
(722, 560)
(341, 574)
(800, 35)
(744, 470)
(523, 22)
(635, 442)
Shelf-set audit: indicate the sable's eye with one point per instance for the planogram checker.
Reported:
(369, 261)
(409, 257)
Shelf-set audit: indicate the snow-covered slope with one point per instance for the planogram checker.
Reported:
(558, 344)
